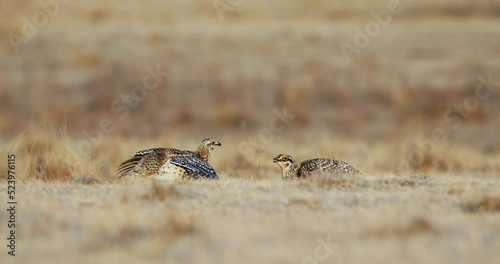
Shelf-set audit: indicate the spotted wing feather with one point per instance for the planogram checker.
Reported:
(320, 165)
(195, 167)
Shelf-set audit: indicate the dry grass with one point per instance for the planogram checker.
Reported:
(414, 227)
(227, 78)
(489, 204)
(257, 221)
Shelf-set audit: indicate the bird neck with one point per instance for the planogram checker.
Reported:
(204, 152)
(291, 171)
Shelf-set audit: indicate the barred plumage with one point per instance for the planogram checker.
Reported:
(293, 170)
(171, 164)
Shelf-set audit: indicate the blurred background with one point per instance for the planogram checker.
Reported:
(68, 67)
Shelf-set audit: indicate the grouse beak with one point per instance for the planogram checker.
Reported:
(275, 160)
(217, 143)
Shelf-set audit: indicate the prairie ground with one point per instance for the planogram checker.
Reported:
(375, 219)
(416, 110)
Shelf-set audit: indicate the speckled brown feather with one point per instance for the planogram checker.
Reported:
(148, 161)
(326, 166)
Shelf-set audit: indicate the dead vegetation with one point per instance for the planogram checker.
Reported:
(415, 226)
(418, 200)
(194, 221)
(161, 192)
(488, 204)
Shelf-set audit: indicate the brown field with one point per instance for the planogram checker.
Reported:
(405, 111)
